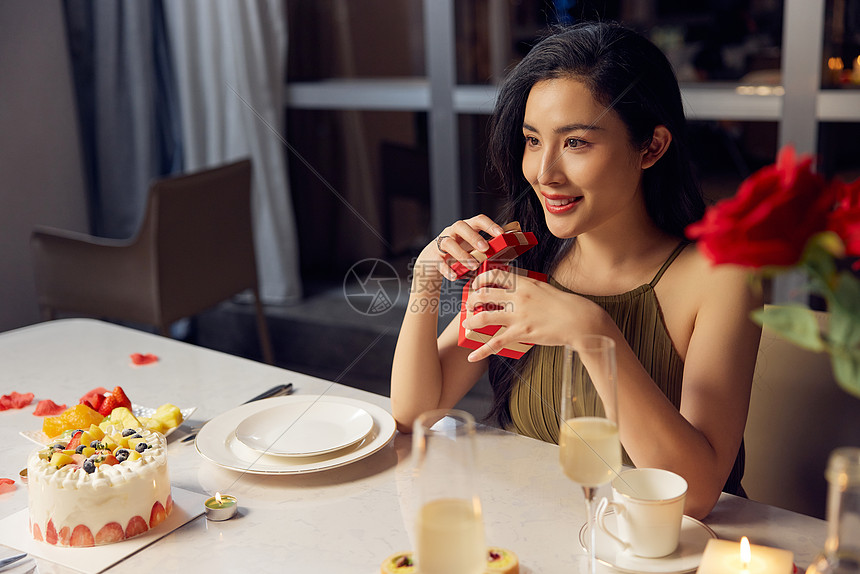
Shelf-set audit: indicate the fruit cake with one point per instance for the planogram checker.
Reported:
(98, 486)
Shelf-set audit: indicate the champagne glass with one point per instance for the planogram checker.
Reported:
(449, 528)
(589, 447)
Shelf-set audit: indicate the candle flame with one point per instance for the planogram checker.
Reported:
(218, 497)
(746, 553)
(835, 63)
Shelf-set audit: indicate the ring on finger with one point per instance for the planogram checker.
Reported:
(439, 242)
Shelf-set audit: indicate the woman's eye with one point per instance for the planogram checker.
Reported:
(574, 143)
(532, 141)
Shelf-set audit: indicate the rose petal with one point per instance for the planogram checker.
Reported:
(15, 400)
(7, 485)
(143, 359)
(48, 407)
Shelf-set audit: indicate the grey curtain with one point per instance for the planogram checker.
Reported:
(127, 105)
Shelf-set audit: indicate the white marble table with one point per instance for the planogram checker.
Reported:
(344, 520)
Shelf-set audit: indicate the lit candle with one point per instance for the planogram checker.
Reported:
(725, 557)
(855, 71)
(221, 507)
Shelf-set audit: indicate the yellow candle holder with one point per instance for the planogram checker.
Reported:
(221, 507)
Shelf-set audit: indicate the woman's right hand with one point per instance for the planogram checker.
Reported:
(455, 244)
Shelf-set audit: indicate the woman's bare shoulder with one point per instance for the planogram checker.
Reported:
(704, 271)
(693, 286)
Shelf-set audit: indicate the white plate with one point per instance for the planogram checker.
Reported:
(42, 439)
(304, 428)
(686, 558)
(217, 442)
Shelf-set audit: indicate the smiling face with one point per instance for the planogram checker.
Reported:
(579, 159)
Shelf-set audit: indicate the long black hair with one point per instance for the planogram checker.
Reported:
(626, 72)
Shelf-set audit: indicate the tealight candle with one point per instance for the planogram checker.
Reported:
(221, 507)
(726, 557)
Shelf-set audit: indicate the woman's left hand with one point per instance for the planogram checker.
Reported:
(532, 311)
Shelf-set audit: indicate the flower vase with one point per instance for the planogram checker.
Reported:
(841, 554)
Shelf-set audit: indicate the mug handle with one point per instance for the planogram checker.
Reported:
(602, 507)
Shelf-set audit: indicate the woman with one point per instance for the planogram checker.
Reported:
(587, 137)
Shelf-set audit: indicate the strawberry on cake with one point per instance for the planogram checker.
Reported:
(98, 486)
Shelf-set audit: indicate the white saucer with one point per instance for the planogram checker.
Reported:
(308, 428)
(686, 558)
(217, 442)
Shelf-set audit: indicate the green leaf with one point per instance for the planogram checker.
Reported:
(845, 302)
(794, 323)
(819, 263)
(846, 369)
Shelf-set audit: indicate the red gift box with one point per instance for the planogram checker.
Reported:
(503, 248)
(473, 339)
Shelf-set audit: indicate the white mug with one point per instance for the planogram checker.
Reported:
(649, 504)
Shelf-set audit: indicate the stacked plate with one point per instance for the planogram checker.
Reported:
(295, 434)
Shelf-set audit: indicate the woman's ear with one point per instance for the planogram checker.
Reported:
(659, 144)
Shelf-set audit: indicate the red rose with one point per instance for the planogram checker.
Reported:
(845, 219)
(768, 222)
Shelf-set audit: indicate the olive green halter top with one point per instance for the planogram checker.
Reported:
(536, 392)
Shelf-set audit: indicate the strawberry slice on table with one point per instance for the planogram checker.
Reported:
(121, 397)
(108, 405)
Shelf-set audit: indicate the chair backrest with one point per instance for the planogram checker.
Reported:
(201, 229)
(798, 415)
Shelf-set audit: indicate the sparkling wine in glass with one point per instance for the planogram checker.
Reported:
(449, 528)
(589, 447)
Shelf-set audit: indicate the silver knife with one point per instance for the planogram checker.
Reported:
(11, 560)
(278, 391)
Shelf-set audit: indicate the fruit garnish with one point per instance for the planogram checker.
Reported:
(94, 398)
(137, 525)
(82, 536)
(51, 533)
(108, 405)
(157, 515)
(110, 532)
(75, 441)
(121, 398)
(121, 417)
(77, 417)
